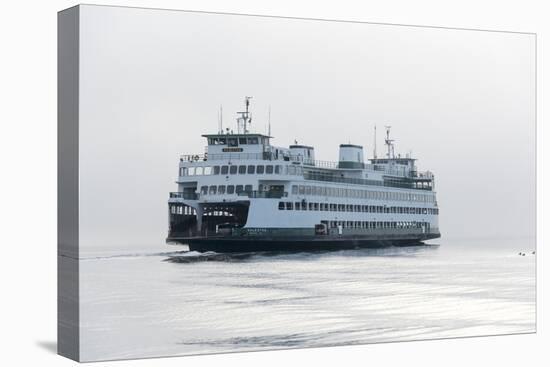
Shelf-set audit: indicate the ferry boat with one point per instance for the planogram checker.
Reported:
(245, 194)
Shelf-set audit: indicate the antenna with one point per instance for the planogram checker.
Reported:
(248, 116)
(269, 121)
(374, 141)
(220, 120)
(247, 102)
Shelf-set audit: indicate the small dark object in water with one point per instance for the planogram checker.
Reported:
(533, 252)
(523, 254)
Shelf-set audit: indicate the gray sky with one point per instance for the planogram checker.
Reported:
(152, 82)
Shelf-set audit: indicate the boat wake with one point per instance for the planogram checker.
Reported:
(391, 251)
(134, 255)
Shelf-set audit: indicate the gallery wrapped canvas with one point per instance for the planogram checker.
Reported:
(238, 183)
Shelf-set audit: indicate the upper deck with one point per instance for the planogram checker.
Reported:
(246, 149)
(311, 169)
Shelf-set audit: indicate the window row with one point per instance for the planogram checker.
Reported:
(241, 170)
(223, 189)
(360, 194)
(236, 141)
(373, 225)
(303, 205)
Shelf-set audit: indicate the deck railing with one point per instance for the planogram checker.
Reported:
(264, 194)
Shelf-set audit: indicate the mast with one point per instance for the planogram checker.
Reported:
(245, 117)
(389, 143)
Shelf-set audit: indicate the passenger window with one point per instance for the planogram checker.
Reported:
(252, 140)
(232, 142)
(216, 170)
(233, 170)
(207, 170)
(221, 189)
(260, 170)
(224, 170)
(230, 189)
(281, 205)
(294, 189)
(242, 170)
(269, 169)
(204, 190)
(239, 189)
(213, 190)
(296, 206)
(251, 170)
(242, 141)
(278, 169)
(248, 188)
(289, 206)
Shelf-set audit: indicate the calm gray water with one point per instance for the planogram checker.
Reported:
(169, 302)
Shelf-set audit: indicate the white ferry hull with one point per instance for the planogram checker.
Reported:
(293, 244)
